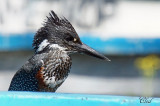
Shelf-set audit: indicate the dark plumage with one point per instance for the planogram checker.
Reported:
(49, 67)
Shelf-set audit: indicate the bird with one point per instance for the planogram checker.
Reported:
(47, 69)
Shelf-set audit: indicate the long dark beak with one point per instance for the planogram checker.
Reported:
(89, 51)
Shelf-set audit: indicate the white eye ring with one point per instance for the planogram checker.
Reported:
(75, 40)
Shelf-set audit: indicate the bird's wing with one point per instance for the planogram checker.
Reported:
(25, 77)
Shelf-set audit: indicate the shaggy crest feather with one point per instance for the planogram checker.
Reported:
(53, 27)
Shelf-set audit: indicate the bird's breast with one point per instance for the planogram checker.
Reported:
(53, 72)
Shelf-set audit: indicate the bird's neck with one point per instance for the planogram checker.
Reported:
(59, 55)
(54, 56)
(58, 61)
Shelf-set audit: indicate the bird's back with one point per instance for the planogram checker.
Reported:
(24, 79)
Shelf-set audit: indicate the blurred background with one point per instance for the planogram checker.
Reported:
(126, 31)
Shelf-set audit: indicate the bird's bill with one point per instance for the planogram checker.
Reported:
(89, 51)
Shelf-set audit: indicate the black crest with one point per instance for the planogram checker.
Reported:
(55, 21)
(53, 28)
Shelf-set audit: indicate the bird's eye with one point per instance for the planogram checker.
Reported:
(69, 38)
(75, 40)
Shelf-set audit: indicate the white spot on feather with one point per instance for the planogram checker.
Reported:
(43, 45)
(51, 81)
(57, 46)
(42, 62)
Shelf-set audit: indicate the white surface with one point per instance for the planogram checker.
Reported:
(130, 19)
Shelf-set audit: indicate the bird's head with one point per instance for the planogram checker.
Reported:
(59, 33)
